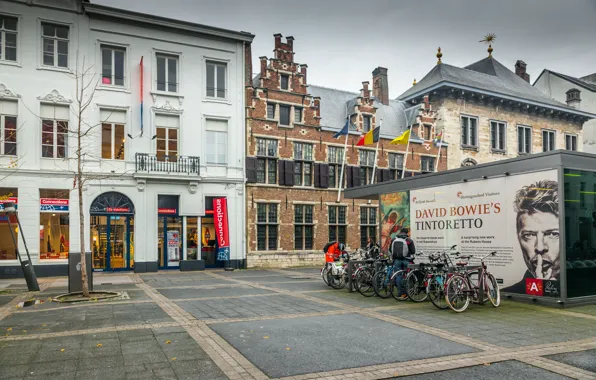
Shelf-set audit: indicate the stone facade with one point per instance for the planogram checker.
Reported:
(307, 128)
(450, 111)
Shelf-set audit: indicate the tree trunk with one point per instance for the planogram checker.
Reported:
(82, 235)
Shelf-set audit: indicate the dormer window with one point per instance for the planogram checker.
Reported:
(573, 94)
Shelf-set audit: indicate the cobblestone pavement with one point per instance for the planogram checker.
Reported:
(282, 324)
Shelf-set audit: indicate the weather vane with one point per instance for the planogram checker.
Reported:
(489, 39)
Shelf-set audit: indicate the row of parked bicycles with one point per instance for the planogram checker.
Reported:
(444, 277)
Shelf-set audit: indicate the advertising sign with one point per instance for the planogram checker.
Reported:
(173, 246)
(220, 219)
(395, 215)
(53, 205)
(517, 216)
(4, 200)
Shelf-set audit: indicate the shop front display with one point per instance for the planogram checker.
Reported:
(112, 232)
(53, 224)
(170, 232)
(7, 248)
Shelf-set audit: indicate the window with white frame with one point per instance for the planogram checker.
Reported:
(8, 127)
(55, 39)
(167, 72)
(167, 129)
(54, 131)
(216, 79)
(367, 161)
(284, 114)
(524, 139)
(497, 136)
(368, 225)
(427, 164)
(297, 115)
(337, 223)
(570, 142)
(113, 65)
(267, 225)
(270, 110)
(469, 131)
(8, 38)
(112, 134)
(334, 157)
(366, 123)
(303, 226)
(396, 165)
(303, 163)
(548, 140)
(217, 141)
(266, 161)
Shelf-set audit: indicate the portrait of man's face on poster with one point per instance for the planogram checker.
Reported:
(537, 222)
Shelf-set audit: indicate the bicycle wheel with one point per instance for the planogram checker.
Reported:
(492, 289)
(364, 283)
(381, 284)
(324, 273)
(436, 291)
(457, 293)
(415, 286)
(336, 281)
(396, 292)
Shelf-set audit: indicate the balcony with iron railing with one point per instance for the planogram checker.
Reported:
(163, 164)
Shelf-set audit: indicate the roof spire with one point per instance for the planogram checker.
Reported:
(439, 55)
(414, 84)
(489, 39)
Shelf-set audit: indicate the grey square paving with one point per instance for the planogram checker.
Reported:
(269, 305)
(583, 359)
(299, 285)
(4, 299)
(237, 290)
(297, 346)
(502, 370)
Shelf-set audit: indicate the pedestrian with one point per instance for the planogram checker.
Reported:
(333, 250)
(402, 249)
(372, 248)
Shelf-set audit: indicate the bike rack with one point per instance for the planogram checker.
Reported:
(351, 271)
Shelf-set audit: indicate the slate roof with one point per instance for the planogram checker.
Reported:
(487, 75)
(335, 103)
(578, 81)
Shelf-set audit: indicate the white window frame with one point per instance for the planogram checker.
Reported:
(207, 131)
(167, 55)
(55, 138)
(113, 46)
(167, 128)
(554, 138)
(268, 225)
(217, 62)
(432, 160)
(304, 162)
(3, 32)
(498, 124)
(3, 132)
(55, 39)
(113, 141)
(525, 128)
(469, 144)
(296, 109)
(269, 104)
(365, 166)
(304, 224)
(572, 136)
(336, 165)
(395, 170)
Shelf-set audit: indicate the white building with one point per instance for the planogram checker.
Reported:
(576, 92)
(166, 136)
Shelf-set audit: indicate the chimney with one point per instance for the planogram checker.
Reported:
(365, 92)
(380, 85)
(520, 70)
(573, 99)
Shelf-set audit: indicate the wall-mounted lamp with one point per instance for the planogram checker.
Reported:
(506, 173)
(153, 138)
(484, 177)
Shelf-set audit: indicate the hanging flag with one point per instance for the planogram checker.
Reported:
(220, 209)
(141, 67)
(370, 137)
(403, 139)
(344, 130)
(438, 139)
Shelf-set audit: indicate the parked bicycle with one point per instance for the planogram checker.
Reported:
(461, 288)
(435, 284)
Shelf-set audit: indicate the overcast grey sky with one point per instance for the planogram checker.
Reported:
(342, 41)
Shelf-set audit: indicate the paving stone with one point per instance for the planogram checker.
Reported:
(10, 370)
(199, 369)
(102, 374)
(214, 292)
(54, 367)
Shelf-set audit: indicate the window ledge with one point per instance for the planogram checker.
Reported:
(57, 69)
(10, 63)
(114, 89)
(284, 126)
(301, 187)
(469, 147)
(168, 94)
(498, 151)
(217, 100)
(216, 164)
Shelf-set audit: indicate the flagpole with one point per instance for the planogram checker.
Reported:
(403, 172)
(341, 176)
(372, 180)
(439, 154)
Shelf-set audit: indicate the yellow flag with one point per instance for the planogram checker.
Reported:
(402, 139)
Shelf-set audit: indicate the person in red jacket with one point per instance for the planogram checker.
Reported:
(333, 250)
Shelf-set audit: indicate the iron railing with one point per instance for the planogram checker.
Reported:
(153, 163)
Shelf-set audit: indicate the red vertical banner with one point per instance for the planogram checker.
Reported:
(141, 64)
(220, 219)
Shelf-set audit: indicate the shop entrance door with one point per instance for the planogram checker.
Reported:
(111, 242)
(169, 242)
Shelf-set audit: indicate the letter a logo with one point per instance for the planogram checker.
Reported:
(534, 287)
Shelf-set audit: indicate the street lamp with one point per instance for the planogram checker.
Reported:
(28, 271)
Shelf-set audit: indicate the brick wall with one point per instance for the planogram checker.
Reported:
(451, 109)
